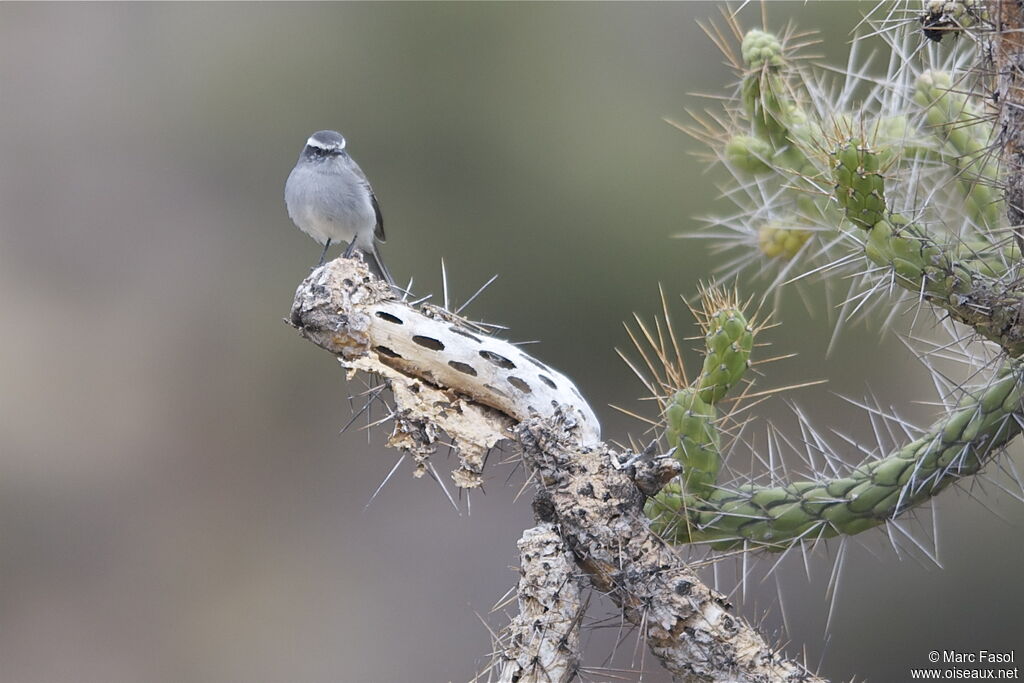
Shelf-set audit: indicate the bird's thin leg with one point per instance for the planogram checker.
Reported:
(323, 254)
(349, 249)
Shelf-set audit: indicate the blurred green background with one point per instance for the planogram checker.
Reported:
(176, 503)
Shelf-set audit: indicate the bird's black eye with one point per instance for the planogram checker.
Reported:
(314, 152)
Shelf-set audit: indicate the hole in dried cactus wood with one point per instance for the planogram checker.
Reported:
(459, 330)
(500, 361)
(385, 351)
(496, 390)
(520, 384)
(428, 342)
(547, 380)
(390, 318)
(463, 367)
(537, 363)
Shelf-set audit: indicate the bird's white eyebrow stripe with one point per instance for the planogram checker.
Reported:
(313, 142)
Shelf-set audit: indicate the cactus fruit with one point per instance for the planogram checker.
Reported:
(777, 241)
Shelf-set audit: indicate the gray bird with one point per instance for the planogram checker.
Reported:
(330, 199)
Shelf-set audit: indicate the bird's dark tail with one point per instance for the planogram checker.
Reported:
(376, 265)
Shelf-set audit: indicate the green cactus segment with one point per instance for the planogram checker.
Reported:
(964, 136)
(774, 517)
(859, 185)
(777, 241)
(691, 430)
(782, 140)
(965, 282)
(691, 414)
(776, 116)
(728, 339)
(912, 255)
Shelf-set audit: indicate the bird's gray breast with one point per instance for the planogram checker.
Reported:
(329, 201)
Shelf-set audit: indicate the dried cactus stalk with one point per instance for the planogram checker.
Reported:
(542, 643)
(591, 496)
(491, 371)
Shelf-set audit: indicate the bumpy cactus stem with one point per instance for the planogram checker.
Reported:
(969, 286)
(776, 116)
(728, 340)
(964, 136)
(691, 414)
(781, 130)
(774, 517)
(697, 508)
(691, 431)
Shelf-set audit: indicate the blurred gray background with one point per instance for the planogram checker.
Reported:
(176, 503)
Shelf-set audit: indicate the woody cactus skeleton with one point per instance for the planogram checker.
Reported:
(842, 190)
(440, 371)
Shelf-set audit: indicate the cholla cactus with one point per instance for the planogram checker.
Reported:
(930, 136)
(894, 181)
(891, 180)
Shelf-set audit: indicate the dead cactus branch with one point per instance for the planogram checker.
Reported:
(542, 643)
(1007, 54)
(445, 375)
(587, 491)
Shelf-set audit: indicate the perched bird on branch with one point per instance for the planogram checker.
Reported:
(330, 199)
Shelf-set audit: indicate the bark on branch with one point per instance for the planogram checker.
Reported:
(1007, 54)
(448, 377)
(543, 640)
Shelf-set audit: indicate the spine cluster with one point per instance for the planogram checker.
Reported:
(901, 185)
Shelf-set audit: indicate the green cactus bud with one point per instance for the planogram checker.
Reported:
(760, 49)
(728, 340)
(775, 240)
(859, 185)
(749, 154)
